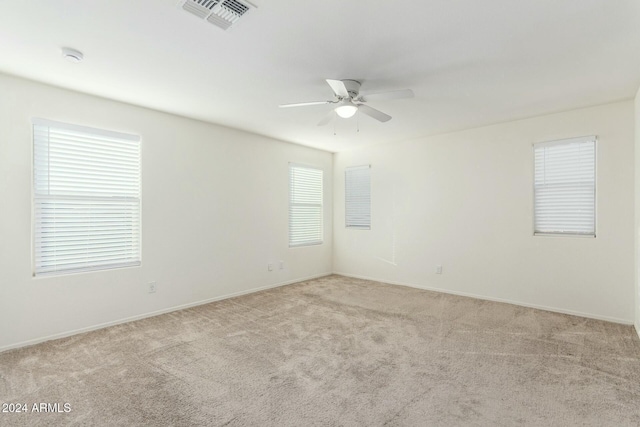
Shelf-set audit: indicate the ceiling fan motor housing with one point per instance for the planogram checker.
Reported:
(353, 87)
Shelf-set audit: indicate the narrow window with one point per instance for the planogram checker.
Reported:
(86, 198)
(305, 205)
(565, 187)
(357, 183)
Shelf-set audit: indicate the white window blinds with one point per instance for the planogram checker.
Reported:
(86, 198)
(305, 205)
(357, 190)
(565, 186)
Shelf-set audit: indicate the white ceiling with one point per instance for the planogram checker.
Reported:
(469, 62)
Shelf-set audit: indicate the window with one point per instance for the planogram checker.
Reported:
(86, 198)
(357, 189)
(305, 205)
(565, 187)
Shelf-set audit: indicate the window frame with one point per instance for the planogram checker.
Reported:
(321, 206)
(564, 141)
(95, 132)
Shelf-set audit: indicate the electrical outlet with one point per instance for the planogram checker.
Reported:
(152, 287)
(438, 269)
(281, 265)
(270, 267)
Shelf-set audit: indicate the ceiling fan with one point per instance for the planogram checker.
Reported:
(348, 101)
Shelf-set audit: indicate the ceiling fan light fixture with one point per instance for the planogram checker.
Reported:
(346, 109)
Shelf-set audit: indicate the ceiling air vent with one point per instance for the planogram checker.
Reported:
(222, 13)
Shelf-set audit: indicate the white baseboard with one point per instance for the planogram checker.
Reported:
(637, 325)
(153, 313)
(488, 298)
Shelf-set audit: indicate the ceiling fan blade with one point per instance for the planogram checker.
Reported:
(338, 88)
(304, 104)
(372, 112)
(394, 94)
(326, 119)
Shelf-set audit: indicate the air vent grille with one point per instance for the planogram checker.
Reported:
(222, 13)
(219, 21)
(235, 6)
(200, 8)
(207, 3)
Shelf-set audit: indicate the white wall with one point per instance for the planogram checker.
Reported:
(637, 211)
(464, 201)
(215, 206)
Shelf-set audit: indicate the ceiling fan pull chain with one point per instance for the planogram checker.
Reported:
(334, 123)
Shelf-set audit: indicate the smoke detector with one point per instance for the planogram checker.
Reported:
(221, 13)
(72, 55)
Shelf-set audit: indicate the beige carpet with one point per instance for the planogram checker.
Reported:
(335, 351)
